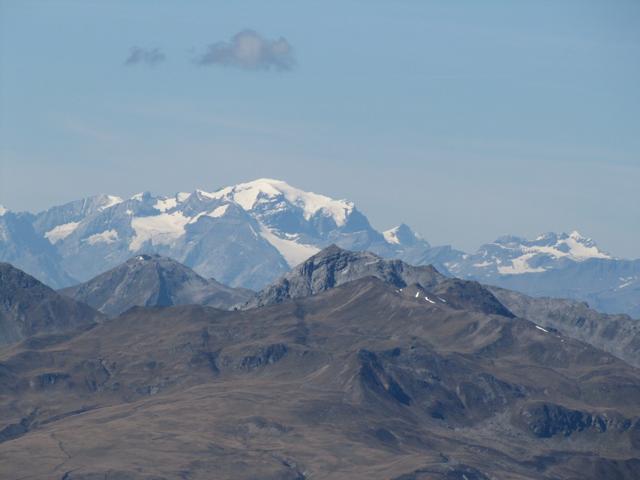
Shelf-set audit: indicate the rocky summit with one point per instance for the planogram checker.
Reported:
(152, 280)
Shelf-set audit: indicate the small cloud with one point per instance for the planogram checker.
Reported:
(145, 56)
(250, 51)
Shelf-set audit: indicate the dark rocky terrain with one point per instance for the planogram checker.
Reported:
(152, 280)
(616, 334)
(334, 266)
(28, 307)
(364, 380)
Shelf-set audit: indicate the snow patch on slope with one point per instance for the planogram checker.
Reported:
(161, 229)
(108, 236)
(110, 201)
(520, 265)
(293, 252)
(3, 211)
(165, 204)
(218, 212)
(391, 236)
(61, 232)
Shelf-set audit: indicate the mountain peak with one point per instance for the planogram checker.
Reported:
(577, 235)
(402, 235)
(139, 197)
(107, 201)
(251, 195)
(334, 266)
(3, 210)
(153, 280)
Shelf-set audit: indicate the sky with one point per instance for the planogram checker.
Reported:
(466, 120)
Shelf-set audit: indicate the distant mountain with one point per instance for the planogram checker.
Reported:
(58, 222)
(361, 381)
(28, 307)
(22, 246)
(334, 266)
(244, 235)
(552, 265)
(249, 234)
(152, 280)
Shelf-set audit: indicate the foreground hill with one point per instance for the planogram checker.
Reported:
(360, 381)
(28, 307)
(152, 280)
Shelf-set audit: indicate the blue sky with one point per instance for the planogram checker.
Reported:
(465, 119)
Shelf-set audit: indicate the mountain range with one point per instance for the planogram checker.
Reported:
(348, 366)
(152, 280)
(249, 234)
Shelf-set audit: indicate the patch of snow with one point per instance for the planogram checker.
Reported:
(182, 196)
(391, 236)
(204, 194)
(61, 232)
(108, 236)
(161, 229)
(429, 300)
(582, 248)
(196, 217)
(163, 205)
(483, 264)
(247, 195)
(111, 200)
(626, 282)
(138, 196)
(293, 252)
(417, 294)
(543, 329)
(215, 213)
(218, 212)
(3, 210)
(520, 265)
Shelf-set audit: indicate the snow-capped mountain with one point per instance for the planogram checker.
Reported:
(554, 265)
(249, 234)
(243, 235)
(512, 255)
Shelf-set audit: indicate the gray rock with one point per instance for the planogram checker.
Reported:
(28, 307)
(152, 280)
(334, 266)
